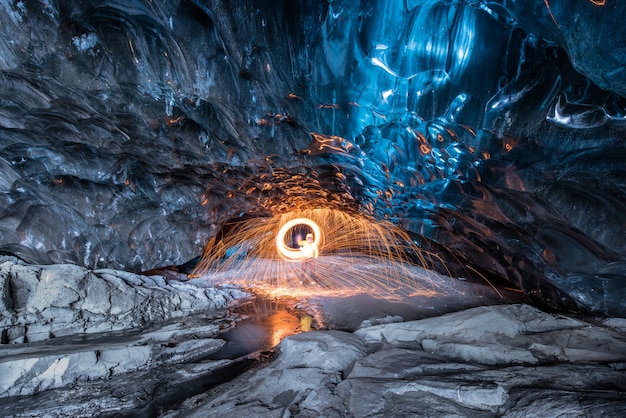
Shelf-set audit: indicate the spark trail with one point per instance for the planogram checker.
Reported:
(347, 253)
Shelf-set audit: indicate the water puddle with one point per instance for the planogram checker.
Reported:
(263, 325)
(260, 325)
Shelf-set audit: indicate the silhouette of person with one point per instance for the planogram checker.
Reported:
(304, 244)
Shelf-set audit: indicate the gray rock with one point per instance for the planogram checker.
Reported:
(565, 403)
(479, 362)
(75, 333)
(330, 351)
(60, 362)
(508, 334)
(42, 302)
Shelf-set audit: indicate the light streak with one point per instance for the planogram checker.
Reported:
(307, 251)
(352, 253)
(550, 12)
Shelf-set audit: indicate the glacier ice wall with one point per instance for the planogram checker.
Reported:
(491, 130)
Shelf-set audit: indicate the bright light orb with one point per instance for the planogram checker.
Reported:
(299, 254)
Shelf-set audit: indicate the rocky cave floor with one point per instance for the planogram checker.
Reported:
(78, 342)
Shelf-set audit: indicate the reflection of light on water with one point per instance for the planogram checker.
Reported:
(263, 324)
(356, 255)
(282, 324)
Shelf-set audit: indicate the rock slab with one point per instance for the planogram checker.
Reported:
(508, 360)
(42, 302)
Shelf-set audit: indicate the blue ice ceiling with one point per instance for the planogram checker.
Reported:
(491, 130)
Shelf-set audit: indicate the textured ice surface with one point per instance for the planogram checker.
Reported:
(491, 130)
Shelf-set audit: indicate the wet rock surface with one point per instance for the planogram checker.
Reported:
(509, 360)
(81, 342)
(191, 357)
(103, 374)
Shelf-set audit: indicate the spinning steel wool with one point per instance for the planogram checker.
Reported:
(344, 253)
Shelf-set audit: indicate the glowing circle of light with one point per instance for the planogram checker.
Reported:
(300, 254)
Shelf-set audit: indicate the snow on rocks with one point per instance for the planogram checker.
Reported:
(42, 302)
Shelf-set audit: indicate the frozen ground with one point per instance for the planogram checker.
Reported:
(507, 360)
(79, 342)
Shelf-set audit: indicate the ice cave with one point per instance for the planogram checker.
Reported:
(313, 208)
